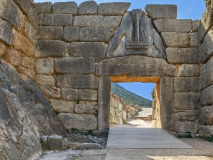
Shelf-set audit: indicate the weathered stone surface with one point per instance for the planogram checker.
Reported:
(86, 94)
(173, 25)
(2, 49)
(45, 80)
(173, 39)
(78, 65)
(206, 74)
(44, 66)
(40, 19)
(44, 7)
(11, 12)
(195, 25)
(186, 127)
(65, 8)
(206, 48)
(25, 71)
(30, 32)
(88, 49)
(84, 146)
(161, 11)
(47, 48)
(85, 109)
(28, 62)
(88, 103)
(50, 32)
(101, 34)
(87, 8)
(71, 33)
(69, 94)
(97, 21)
(194, 41)
(206, 130)
(186, 116)
(186, 84)
(206, 96)
(168, 69)
(23, 44)
(62, 106)
(6, 34)
(116, 8)
(188, 70)
(54, 142)
(182, 55)
(13, 57)
(81, 122)
(77, 81)
(57, 19)
(51, 92)
(206, 115)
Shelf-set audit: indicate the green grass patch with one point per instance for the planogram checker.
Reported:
(209, 139)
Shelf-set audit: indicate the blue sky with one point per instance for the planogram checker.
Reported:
(187, 9)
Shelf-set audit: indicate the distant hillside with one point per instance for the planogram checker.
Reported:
(129, 97)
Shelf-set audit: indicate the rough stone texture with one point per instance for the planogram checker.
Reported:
(57, 19)
(28, 62)
(26, 72)
(44, 66)
(101, 34)
(47, 48)
(173, 25)
(76, 65)
(45, 80)
(77, 81)
(13, 57)
(168, 69)
(44, 7)
(6, 32)
(194, 41)
(186, 116)
(186, 101)
(54, 142)
(71, 33)
(206, 130)
(81, 122)
(62, 106)
(86, 94)
(186, 127)
(206, 74)
(206, 96)
(2, 49)
(85, 109)
(65, 8)
(30, 32)
(104, 90)
(188, 70)
(182, 55)
(161, 11)
(206, 115)
(173, 39)
(50, 32)
(186, 84)
(97, 21)
(23, 118)
(195, 25)
(88, 8)
(51, 92)
(110, 9)
(69, 94)
(88, 49)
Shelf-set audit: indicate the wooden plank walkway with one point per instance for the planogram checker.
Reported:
(131, 137)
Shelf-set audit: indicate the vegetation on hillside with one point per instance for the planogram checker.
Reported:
(129, 97)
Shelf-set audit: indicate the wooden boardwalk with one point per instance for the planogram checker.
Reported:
(131, 137)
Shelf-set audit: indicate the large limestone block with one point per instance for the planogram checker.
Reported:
(62, 106)
(168, 69)
(13, 57)
(57, 19)
(69, 94)
(206, 130)
(206, 115)
(195, 25)
(54, 48)
(65, 8)
(6, 34)
(207, 96)
(28, 62)
(161, 11)
(30, 32)
(78, 65)
(77, 81)
(97, 21)
(182, 55)
(188, 70)
(51, 92)
(116, 8)
(186, 84)
(44, 66)
(174, 39)
(101, 34)
(88, 8)
(191, 127)
(87, 94)
(25, 71)
(173, 25)
(45, 80)
(44, 7)
(88, 49)
(50, 32)
(2, 49)
(86, 109)
(206, 74)
(186, 116)
(71, 33)
(194, 41)
(81, 122)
